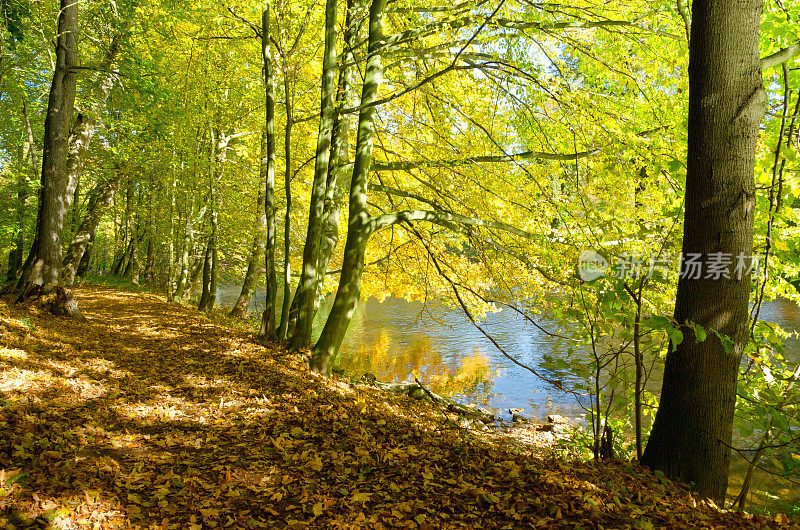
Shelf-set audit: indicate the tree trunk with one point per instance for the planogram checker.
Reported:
(132, 268)
(82, 130)
(100, 198)
(268, 328)
(359, 226)
(43, 266)
(23, 192)
(214, 244)
(242, 305)
(171, 234)
(301, 337)
(338, 155)
(186, 278)
(691, 435)
(83, 266)
(206, 296)
(148, 275)
(283, 327)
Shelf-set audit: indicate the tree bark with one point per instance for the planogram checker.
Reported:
(691, 435)
(359, 221)
(42, 268)
(186, 248)
(283, 327)
(148, 274)
(301, 338)
(205, 298)
(132, 266)
(83, 266)
(268, 327)
(338, 154)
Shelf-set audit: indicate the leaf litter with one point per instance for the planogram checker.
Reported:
(150, 415)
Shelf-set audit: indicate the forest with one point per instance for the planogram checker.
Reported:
(622, 178)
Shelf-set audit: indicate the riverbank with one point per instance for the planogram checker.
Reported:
(151, 415)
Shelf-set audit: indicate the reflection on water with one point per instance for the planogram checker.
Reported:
(397, 340)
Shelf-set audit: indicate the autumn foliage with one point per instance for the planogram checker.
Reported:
(151, 415)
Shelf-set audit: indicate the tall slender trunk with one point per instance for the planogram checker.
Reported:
(283, 327)
(692, 431)
(28, 159)
(186, 278)
(339, 153)
(132, 265)
(359, 226)
(268, 328)
(42, 268)
(301, 337)
(219, 146)
(214, 243)
(148, 274)
(171, 234)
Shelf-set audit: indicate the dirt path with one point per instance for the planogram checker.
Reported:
(150, 415)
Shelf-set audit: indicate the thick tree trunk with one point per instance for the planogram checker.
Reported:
(268, 328)
(100, 198)
(359, 224)
(691, 435)
(301, 338)
(42, 268)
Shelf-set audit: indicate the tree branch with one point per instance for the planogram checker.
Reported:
(443, 219)
(511, 157)
(780, 56)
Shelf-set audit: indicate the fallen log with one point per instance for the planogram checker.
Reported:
(417, 391)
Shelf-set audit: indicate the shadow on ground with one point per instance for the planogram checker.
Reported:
(151, 415)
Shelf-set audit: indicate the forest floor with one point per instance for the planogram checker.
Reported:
(151, 415)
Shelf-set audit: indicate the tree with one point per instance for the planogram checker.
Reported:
(268, 325)
(307, 300)
(43, 266)
(692, 432)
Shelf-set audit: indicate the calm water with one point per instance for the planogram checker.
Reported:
(396, 340)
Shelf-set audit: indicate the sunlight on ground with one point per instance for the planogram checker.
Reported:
(150, 415)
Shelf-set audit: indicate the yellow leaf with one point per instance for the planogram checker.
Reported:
(317, 509)
(360, 497)
(315, 463)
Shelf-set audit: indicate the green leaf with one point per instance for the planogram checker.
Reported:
(675, 336)
(699, 333)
